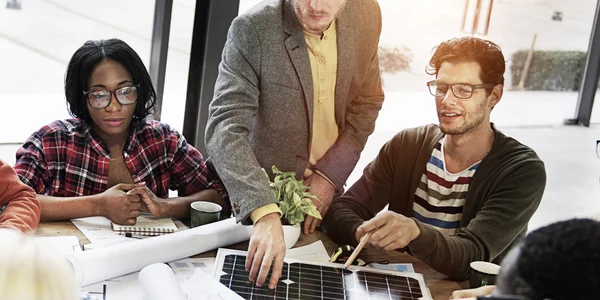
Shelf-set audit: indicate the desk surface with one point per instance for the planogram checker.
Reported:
(439, 285)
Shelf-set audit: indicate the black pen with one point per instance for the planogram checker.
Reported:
(135, 236)
(4, 207)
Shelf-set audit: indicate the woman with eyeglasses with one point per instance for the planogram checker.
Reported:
(111, 160)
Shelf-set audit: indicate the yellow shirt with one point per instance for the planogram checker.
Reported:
(322, 52)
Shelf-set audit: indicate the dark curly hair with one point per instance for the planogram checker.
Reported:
(560, 261)
(90, 55)
(470, 49)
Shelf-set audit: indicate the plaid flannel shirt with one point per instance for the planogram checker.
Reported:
(66, 159)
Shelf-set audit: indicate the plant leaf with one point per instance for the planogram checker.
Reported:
(309, 195)
(284, 208)
(297, 200)
(275, 170)
(311, 211)
(293, 197)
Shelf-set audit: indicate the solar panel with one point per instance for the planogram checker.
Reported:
(307, 280)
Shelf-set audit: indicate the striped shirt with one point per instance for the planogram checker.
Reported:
(66, 159)
(440, 196)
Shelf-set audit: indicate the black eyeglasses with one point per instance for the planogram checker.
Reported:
(598, 148)
(101, 98)
(459, 90)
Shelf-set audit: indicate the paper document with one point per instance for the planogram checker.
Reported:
(313, 252)
(123, 287)
(202, 286)
(159, 283)
(180, 225)
(393, 267)
(188, 266)
(62, 244)
(98, 230)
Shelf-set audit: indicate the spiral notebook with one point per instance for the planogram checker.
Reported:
(147, 226)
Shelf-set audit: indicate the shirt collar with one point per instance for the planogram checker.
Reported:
(100, 147)
(330, 31)
(133, 141)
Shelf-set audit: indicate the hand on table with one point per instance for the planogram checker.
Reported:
(390, 231)
(473, 293)
(120, 207)
(151, 203)
(267, 247)
(324, 191)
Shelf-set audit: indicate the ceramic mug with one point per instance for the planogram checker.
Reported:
(483, 273)
(203, 212)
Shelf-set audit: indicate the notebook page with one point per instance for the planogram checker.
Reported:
(147, 224)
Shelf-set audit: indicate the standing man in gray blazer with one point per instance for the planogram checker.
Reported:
(299, 88)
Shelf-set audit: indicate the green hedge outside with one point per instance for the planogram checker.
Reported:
(549, 70)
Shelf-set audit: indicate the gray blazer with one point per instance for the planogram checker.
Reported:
(262, 110)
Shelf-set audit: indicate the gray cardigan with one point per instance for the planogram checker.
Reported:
(503, 195)
(261, 113)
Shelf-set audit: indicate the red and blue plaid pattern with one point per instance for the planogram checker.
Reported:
(66, 159)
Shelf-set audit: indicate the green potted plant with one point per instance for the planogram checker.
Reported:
(294, 200)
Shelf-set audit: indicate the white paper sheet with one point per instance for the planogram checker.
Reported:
(107, 242)
(123, 287)
(313, 252)
(123, 258)
(63, 245)
(98, 230)
(180, 225)
(202, 286)
(159, 283)
(187, 266)
(405, 267)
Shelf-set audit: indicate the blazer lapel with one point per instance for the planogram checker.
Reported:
(346, 63)
(298, 52)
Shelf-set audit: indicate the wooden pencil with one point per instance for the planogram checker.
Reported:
(363, 242)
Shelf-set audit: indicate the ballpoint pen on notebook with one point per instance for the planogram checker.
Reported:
(363, 242)
(135, 236)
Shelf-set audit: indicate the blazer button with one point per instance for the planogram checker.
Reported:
(237, 210)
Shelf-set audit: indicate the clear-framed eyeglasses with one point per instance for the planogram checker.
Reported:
(459, 90)
(101, 98)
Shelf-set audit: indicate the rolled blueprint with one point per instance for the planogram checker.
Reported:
(159, 283)
(124, 258)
